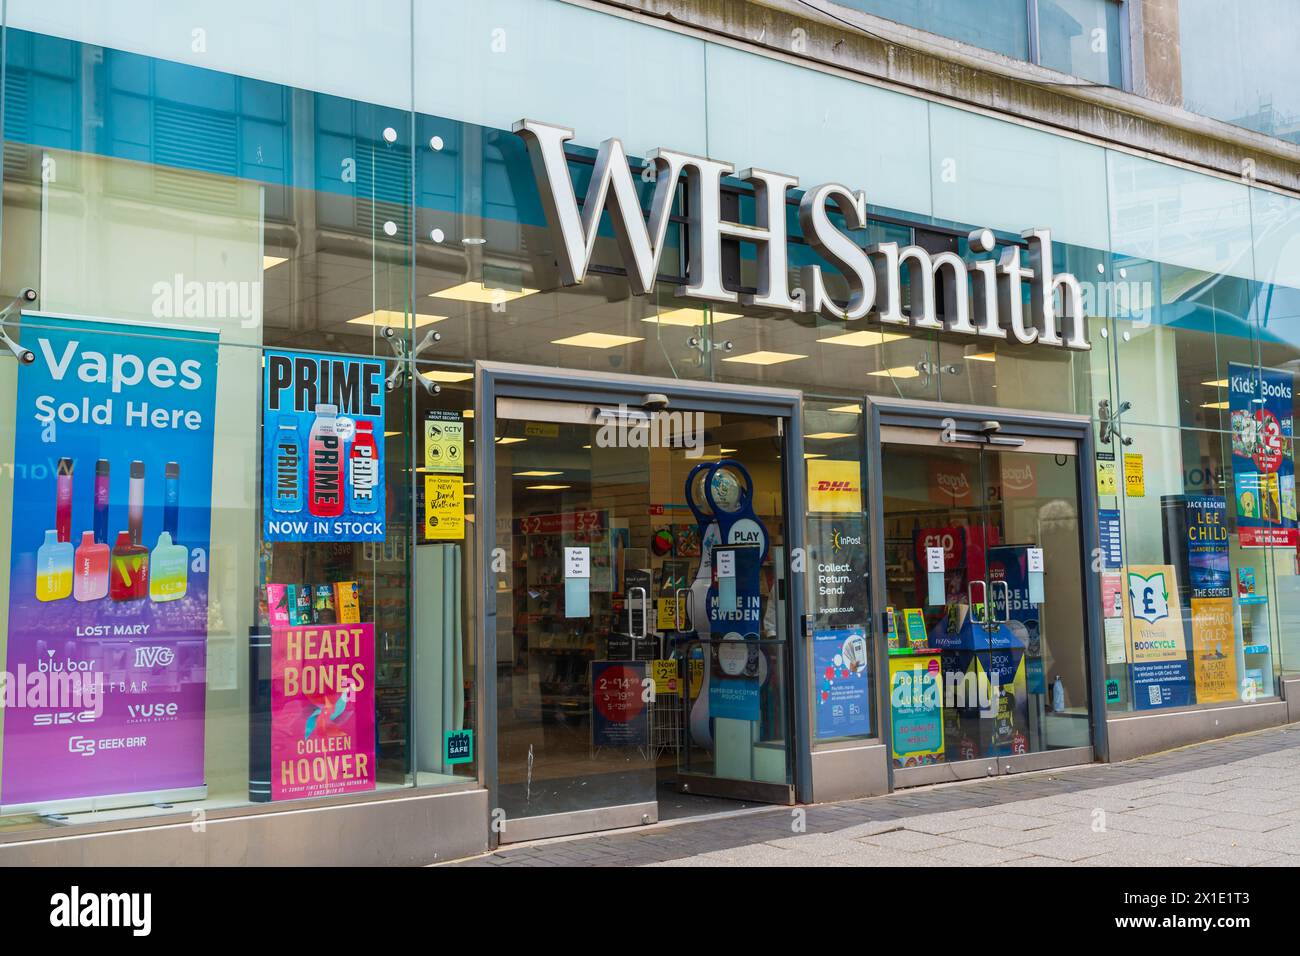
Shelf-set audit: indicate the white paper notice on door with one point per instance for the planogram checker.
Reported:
(1115, 651)
(577, 562)
(933, 560)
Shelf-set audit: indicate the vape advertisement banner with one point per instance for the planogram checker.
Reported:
(1263, 459)
(322, 448)
(109, 549)
(322, 710)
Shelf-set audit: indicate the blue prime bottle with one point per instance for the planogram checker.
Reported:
(289, 492)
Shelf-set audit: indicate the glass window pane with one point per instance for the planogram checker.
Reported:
(1081, 37)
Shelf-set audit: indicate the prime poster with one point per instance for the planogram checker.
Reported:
(322, 448)
(1263, 459)
(108, 600)
(322, 710)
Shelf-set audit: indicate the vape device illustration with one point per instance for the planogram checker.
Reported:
(101, 501)
(171, 498)
(168, 570)
(63, 501)
(135, 504)
(288, 467)
(90, 567)
(53, 568)
(129, 574)
(325, 458)
(363, 471)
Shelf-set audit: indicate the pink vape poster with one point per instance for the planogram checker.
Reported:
(322, 710)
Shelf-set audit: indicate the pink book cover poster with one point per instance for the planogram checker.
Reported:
(322, 710)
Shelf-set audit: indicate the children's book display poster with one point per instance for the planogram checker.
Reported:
(322, 448)
(108, 601)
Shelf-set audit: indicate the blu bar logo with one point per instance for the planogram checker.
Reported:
(983, 298)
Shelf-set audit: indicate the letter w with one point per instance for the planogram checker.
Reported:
(574, 231)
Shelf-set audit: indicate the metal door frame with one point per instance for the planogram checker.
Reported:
(493, 380)
(927, 415)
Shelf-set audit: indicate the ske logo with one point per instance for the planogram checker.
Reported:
(1149, 597)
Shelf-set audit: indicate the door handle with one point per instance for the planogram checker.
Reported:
(682, 609)
(1006, 602)
(970, 600)
(632, 629)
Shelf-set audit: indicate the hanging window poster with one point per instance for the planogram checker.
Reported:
(108, 600)
(1263, 458)
(916, 705)
(840, 667)
(322, 448)
(322, 710)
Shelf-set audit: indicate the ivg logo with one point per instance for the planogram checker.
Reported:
(154, 656)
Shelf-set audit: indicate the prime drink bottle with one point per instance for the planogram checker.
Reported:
(325, 463)
(363, 471)
(288, 467)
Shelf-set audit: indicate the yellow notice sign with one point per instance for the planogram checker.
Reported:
(668, 617)
(444, 442)
(665, 676)
(1107, 477)
(834, 486)
(444, 507)
(1135, 479)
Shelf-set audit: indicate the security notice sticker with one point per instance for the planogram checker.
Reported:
(1135, 479)
(444, 442)
(444, 507)
(1107, 477)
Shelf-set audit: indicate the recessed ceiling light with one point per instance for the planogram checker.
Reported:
(727, 451)
(473, 241)
(597, 340)
(901, 371)
(861, 339)
(981, 357)
(270, 262)
(537, 474)
(390, 317)
(813, 454)
(478, 292)
(508, 441)
(1217, 383)
(437, 375)
(764, 358)
(689, 317)
(467, 413)
(391, 434)
(1216, 406)
(848, 409)
(547, 487)
(829, 436)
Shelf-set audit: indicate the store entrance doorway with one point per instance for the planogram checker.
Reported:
(641, 638)
(984, 559)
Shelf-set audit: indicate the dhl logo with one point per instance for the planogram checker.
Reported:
(835, 486)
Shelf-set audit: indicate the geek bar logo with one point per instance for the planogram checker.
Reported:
(76, 909)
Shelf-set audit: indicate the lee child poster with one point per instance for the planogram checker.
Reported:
(322, 710)
(1263, 461)
(109, 550)
(322, 448)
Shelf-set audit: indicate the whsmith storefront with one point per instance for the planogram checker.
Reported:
(418, 436)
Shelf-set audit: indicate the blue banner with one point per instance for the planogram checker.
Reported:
(322, 448)
(1263, 463)
(840, 669)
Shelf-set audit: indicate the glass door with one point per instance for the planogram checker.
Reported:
(642, 614)
(984, 602)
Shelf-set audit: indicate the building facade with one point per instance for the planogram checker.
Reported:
(429, 425)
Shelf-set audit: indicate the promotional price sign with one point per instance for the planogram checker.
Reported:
(322, 448)
(1263, 459)
(112, 485)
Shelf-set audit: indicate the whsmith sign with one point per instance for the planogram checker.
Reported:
(982, 298)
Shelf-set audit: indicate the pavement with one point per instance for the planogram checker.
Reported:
(1231, 802)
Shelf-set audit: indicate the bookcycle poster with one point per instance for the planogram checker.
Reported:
(108, 601)
(1263, 460)
(322, 480)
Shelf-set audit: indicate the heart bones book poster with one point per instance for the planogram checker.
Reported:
(322, 448)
